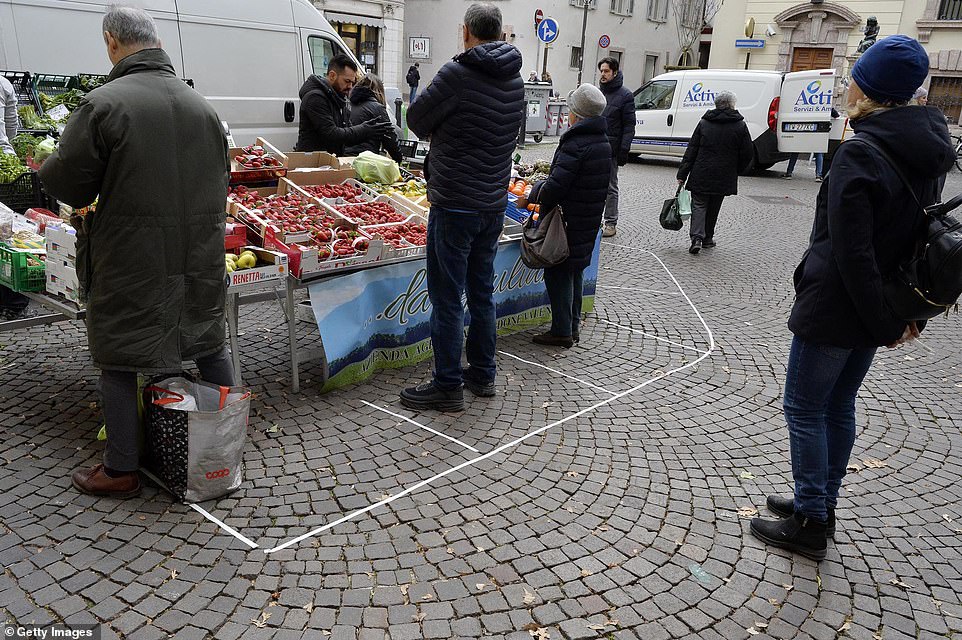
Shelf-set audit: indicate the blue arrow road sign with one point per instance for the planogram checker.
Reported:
(754, 43)
(548, 30)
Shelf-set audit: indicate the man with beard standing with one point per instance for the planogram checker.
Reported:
(620, 114)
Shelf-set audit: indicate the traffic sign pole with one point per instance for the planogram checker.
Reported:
(584, 27)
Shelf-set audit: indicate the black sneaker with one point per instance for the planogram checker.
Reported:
(708, 243)
(552, 340)
(428, 396)
(798, 534)
(785, 507)
(695, 246)
(480, 389)
(576, 337)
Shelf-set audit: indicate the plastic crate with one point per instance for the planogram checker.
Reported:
(22, 83)
(16, 274)
(23, 193)
(53, 85)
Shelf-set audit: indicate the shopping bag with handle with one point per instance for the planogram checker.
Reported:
(670, 218)
(684, 204)
(196, 433)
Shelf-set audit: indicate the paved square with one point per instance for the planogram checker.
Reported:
(597, 496)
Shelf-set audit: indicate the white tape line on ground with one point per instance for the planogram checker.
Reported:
(426, 428)
(652, 336)
(560, 373)
(199, 509)
(610, 286)
(516, 442)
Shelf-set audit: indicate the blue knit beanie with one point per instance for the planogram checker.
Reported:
(892, 69)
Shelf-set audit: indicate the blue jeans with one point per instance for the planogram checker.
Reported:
(414, 93)
(460, 261)
(819, 162)
(820, 388)
(565, 290)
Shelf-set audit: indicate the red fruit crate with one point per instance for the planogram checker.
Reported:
(17, 274)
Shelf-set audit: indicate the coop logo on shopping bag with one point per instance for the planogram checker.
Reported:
(213, 475)
(813, 98)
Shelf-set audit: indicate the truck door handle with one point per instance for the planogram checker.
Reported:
(289, 111)
(670, 119)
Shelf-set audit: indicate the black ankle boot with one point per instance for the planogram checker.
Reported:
(785, 507)
(799, 534)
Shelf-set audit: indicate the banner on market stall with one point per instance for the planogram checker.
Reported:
(378, 318)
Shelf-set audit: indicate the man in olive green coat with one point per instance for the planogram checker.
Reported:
(151, 258)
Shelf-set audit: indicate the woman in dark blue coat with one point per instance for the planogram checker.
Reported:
(578, 182)
(866, 222)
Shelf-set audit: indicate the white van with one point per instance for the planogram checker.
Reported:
(785, 112)
(248, 57)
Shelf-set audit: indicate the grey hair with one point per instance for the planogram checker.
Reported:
(483, 21)
(131, 26)
(921, 92)
(725, 100)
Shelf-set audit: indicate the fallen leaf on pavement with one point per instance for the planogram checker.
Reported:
(853, 468)
(747, 512)
(947, 517)
(752, 631)
(309, 607)
(480, 586)
(788, 587)
(745, 475)
(761, 625)
(899, 583)
(261, 622)
(874, 463)
(529, 597)
(845, 627)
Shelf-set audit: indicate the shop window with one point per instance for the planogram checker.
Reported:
(946, 94)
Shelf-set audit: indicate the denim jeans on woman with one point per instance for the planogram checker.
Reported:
(460, 260)
(565, 288)
(820, 389)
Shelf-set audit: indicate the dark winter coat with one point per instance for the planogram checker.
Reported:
(364, 107)
(413, 77)
(865, 224)
(578, 181)
(472, 112)
(620, 114)
(324, 124)
(719, 149)
(151, 258)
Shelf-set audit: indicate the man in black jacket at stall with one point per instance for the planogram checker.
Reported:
(472, 113)
(620, 114)
(324, 124)
(413, 79)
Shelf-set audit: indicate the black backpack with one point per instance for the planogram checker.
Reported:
(929, 282)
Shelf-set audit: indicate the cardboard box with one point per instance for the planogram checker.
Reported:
(304, 261)
(320, 176)
(271, 270)
(62, 279)
(241, 175)
(61, 244)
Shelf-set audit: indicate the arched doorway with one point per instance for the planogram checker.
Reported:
(815, 36)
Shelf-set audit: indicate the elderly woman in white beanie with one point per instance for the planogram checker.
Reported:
(578, 181)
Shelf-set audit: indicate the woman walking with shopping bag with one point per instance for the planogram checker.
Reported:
(720, 149)
(578, 182)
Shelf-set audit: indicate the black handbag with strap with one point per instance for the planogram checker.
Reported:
(544, 243)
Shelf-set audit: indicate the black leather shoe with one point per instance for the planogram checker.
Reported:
(481, 389)
(785, 507)
(428, 396)
(576, 337)
(708, 243)
(799, 534)
(695, 246)
(553, 341)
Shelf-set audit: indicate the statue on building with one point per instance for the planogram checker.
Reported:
(871, 35)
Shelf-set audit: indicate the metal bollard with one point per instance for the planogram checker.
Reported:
(397, 111)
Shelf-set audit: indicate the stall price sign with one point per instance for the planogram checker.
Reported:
(604, 41)
(419, 48)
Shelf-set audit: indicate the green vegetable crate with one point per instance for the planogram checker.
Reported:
(16, 274)
(22, 82)
(54, 85)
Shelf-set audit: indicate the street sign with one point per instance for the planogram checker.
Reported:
(748, 43)
(538, 17)
(604, 41)
(548, 30)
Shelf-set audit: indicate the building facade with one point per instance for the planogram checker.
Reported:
(642, 34)
(819, 34)
(373, 30)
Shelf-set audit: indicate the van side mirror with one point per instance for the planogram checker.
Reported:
(289, 111)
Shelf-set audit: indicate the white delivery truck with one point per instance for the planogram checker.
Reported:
(248, 57)
(785, 112)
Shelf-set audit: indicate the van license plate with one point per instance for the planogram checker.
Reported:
(800, 127)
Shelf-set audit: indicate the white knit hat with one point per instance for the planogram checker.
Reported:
(587, 101)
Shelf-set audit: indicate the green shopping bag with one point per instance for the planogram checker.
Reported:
(684, 204)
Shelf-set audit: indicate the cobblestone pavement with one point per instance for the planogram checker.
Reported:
(625, 518)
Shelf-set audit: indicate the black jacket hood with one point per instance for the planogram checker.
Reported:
(360, 95)
(723, 115)
(495, 59)
(614, 84)
(317, 83)
(915, 135)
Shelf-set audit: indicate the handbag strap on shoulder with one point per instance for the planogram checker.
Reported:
(895, 166)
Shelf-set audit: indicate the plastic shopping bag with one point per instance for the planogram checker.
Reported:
(684, 204)
(370, 167)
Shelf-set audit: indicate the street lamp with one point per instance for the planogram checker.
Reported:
(584, 27)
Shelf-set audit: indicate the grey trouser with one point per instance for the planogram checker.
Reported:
(611, 204)
(118, 393)
(704, 215)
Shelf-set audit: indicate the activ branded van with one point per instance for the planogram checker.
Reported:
(785, 112)
(248, 57)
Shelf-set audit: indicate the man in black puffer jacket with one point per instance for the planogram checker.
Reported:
(324, 118)
(472, 113)
(719, 149)
(620, 114)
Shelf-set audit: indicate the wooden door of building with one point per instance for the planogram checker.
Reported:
(811, 58)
